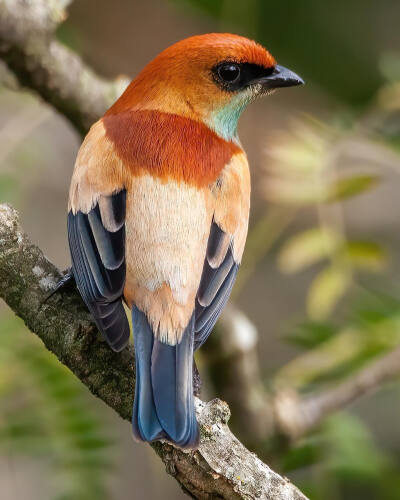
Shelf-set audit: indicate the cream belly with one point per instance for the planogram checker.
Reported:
(167, 227)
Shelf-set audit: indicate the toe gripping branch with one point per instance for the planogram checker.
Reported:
(197, 382)
(67, 282)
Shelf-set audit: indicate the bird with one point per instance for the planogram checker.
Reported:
(158, 215)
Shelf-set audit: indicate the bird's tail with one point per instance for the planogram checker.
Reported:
(164, 405)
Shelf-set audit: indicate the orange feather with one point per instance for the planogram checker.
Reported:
(168, 146)
(178, 79)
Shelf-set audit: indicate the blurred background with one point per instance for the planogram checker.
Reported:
(320, 277)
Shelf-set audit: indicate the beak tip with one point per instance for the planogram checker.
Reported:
(301, 81)
(281, 77)
(292, 78)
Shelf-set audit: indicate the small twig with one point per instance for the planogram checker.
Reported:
(298, 415)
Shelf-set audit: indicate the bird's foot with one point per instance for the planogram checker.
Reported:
(66, 282)
(197, 382)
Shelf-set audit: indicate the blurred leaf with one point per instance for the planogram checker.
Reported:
(294, 191)
(350, 186)
(301, 190)
(389, 66)
(296, 164)
(344, 462)
(299, 150)
(365, 255)
(349, 449)
(8, 187)
(299, 163)
(307, 248)
(326, 290)
(335, 352)
(375, 308)
(311, 334)
(305, 453)
(319, 362)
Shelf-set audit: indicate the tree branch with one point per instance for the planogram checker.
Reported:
(222, 467)
(44, 65)
(234, 369)
(231, 358)
(298, 415)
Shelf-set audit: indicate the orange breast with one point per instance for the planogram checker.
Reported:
(168, 146)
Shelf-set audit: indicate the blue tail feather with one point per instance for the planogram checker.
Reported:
(164, 406)
(145, 423)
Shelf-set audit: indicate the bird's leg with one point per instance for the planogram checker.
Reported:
(66, 282)
(196, 380)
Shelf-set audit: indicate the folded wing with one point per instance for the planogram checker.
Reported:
(219, 274)
(97, 245)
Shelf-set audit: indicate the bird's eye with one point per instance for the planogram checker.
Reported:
(229, 72)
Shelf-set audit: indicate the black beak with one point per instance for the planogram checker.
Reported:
(281, 77)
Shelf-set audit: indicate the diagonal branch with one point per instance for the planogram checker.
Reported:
(298, 415)
(222, 468)
(232, 362)
(49, 68)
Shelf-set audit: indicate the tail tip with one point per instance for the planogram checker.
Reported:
(189, 442)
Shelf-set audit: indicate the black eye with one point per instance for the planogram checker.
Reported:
(229, 72)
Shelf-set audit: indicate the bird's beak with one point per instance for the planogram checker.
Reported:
(281, 77)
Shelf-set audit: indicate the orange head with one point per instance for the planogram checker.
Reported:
(209, 78)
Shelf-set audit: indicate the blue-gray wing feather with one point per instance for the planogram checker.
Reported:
(215, 286)
(98, 265)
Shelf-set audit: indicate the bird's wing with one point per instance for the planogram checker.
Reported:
(225, 247)
(97, 244)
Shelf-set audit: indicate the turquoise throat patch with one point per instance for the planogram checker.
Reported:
(224, 121)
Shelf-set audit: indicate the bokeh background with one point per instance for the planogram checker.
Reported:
(321, 274)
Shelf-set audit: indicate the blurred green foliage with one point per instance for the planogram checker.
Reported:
(347, 463)
(44, 413)
(300, 173)
(336, 348)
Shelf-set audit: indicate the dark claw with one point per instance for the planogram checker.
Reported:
(196, 380)
(66, 282)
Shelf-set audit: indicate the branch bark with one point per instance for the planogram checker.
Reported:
(49, 68)
(222, 467)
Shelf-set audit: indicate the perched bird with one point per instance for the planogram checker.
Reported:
(158, 214)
